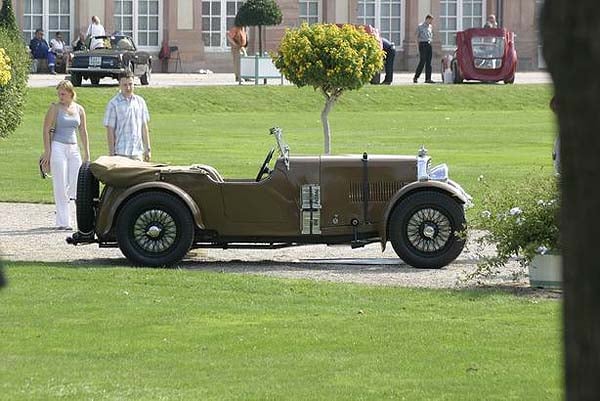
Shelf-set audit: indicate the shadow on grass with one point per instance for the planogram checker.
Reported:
(472, 292)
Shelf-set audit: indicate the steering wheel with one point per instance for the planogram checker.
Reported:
(264, 169)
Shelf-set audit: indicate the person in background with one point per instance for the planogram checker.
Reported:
(61, 151)
(57, 49)
(96, 29)
(491, 22)
(424, 37)
(126, 121)
(390, 53)
(79, 43)
(238, 41)
(39, 49)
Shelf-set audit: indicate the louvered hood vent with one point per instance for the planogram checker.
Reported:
(378, 191)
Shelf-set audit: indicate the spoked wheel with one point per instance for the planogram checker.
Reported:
(423, 229)
(155, 229)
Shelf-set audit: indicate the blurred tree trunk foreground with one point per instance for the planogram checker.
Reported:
(571, 36)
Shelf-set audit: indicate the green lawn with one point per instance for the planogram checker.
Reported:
(117, 333)
(504, 133)
(112, 333)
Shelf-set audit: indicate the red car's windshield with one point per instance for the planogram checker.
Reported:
(487, 51)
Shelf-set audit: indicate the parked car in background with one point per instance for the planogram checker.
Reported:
(483, 54)
(156, 213)
(118, 55)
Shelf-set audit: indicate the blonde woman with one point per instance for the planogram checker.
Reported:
(61, 151)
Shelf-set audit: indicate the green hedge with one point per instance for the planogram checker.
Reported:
(12, 95)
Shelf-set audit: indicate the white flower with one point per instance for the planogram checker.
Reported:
(486, 214)
(541, 202)
(542, 250)
(480, 178)
(515, 211)
(519, 221)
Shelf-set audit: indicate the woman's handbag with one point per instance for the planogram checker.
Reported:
(45, 167)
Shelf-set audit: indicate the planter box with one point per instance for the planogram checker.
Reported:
(545, 271)
(256, 67)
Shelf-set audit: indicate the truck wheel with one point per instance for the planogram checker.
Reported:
(76, 79)
(423, 229)
(95, 80)
(155, 229)
(87, 190)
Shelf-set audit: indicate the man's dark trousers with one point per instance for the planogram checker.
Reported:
(425, 55)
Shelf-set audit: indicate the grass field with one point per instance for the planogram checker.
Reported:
(139, 334)
(504, 133)
(117, 333)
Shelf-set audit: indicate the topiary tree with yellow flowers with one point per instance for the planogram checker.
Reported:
(331, 59)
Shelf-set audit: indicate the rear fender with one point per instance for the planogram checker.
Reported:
(108, 215)
(455, 192)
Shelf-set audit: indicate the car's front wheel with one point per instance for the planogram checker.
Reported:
(155, 229)
(424, 228)
(76, 79)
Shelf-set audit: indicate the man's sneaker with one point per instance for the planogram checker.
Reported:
(429, 81)
(415, 80)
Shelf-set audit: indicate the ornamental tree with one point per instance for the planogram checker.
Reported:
(331, 59)
(259, 13)
(7, 16)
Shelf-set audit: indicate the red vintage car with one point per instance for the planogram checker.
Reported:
(484, 54)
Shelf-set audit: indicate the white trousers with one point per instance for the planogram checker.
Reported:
(65, 161)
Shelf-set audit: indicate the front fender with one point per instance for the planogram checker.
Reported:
(116, 198)
(450, 187)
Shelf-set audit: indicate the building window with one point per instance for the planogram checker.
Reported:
(385, 15)
(50, 15)
(309, 11)
(140, 19)
(458, 15)
(217, 17)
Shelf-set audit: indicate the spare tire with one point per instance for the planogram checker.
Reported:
(87, 190)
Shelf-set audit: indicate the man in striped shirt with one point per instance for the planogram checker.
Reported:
(126, 121)
(424, 37)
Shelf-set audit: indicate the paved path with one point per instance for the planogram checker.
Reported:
(27, 234)
(170, 80)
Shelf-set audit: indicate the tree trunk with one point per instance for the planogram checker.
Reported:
(570, 29)
(329, 102)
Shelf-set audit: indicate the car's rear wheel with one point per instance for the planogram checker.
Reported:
(95, 80)
(145, 79)
(76, 79)
(510, 80)
(458, 79)
(87, 191)
(155, 229)
(424, 227)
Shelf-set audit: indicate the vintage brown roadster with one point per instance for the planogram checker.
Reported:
(156, 213)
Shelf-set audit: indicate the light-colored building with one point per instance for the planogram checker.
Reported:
(198, 27)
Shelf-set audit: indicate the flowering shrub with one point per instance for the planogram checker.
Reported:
(14, 71)
(5, 74)
(520, 223)
(330, 58)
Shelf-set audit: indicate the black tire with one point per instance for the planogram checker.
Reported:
(87, 191)
(145, 79)
(510, 80)
(455, 72)
(95, 80)
(76, 79)
(423, 229)
(155, 229)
